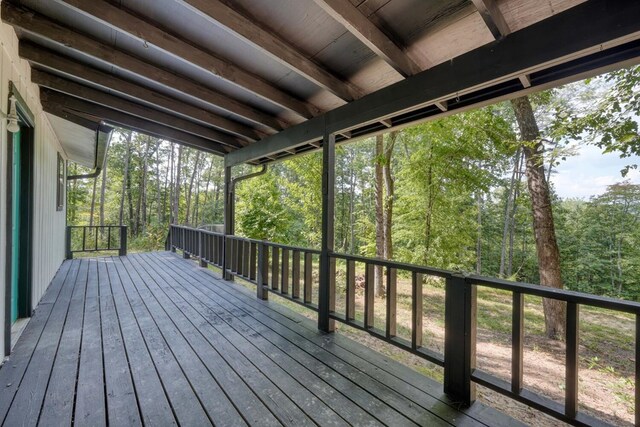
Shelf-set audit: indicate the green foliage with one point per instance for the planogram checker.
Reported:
(452, 188)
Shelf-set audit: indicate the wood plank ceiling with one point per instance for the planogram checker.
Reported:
(222, 74)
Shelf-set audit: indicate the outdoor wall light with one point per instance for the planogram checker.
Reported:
(12, 117)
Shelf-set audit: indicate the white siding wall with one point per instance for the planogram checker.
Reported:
(48, 224)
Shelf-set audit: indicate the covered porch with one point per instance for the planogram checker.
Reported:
(153, 339)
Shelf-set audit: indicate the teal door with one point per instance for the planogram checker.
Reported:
(15, 226)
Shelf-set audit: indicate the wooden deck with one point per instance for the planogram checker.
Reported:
(153, 339)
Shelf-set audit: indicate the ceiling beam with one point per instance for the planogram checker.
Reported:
(96, 96)
(87, 123)
(493, 18)
(34, 23)
(136, 27)
(90, 110)
(270, 44)
(51, 60)
(596, 35)
(362, 28)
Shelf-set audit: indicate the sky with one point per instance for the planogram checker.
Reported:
(590, 172)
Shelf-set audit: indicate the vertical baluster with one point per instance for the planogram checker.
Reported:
(239, 254)
(369, 294)
(308, 278)
(96, 231)
(275, 267)
(245, 258)
(284, 272)
(416, 310)
(350, 308)
(226, 259)
(252, 261)
(295, 274)
(517, 341)
(573, 338)
(108, 238)
(391, 302)
(84, 238)
(263, 272)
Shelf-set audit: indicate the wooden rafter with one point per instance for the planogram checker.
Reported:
(51, 60)
(362, 28)
(77, 106)
(147, 32)
(56, 110)
(35, 23)
(131, 108)
(492, 17)
(275, 47)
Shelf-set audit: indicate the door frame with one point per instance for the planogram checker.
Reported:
(27, 124)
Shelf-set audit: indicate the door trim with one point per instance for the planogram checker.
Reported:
(26, 227)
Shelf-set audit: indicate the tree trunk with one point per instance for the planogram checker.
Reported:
(379, 186)
(543, 225)
(190, 190)
(429, 210)
(352, 196)
(508, 210)
(176, 193)
(206, 188)
(93, 201)
(141, 208)
(103, 188)
(125, 175)
(389, 187)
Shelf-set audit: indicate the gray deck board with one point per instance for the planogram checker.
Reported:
(153, 339)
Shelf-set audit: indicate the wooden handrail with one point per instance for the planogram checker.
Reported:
(121, 247)
(252, 260)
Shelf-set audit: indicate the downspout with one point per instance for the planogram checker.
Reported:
(103, 139)
(232, 196)
(230, 208)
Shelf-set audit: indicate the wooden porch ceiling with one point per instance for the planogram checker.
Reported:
(225, 75)
(152, 339)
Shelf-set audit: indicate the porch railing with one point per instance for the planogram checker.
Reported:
(282, 270)
(96, 238)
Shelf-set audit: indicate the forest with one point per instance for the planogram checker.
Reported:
(450, 193)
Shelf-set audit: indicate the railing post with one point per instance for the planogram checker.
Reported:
(201, 246)
(229, 228)
(172, 235)
(460, 339)
(68, 243)
(263, 272)
(123, 241)
(326, 292)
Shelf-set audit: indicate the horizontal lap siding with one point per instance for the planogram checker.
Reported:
(48, 224)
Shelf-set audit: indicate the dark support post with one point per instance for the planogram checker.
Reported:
(123, 240)
(228, 221)
(263, 272)
(571, 374)
(327, 264)
(517, 342)
(460, 340)
(68, 244)
(416, 310)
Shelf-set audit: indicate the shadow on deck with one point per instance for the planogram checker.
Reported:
(153, 339)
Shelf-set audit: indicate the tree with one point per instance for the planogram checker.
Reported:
(380, 223)
(543, 225)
